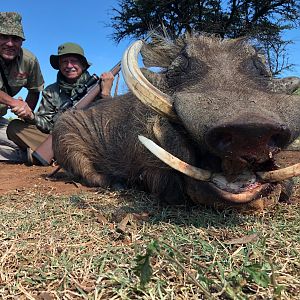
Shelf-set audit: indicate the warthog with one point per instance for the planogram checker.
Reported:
(212, 107)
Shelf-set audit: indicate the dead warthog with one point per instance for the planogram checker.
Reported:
(212, 107)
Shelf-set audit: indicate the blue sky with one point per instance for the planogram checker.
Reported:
(48, 24)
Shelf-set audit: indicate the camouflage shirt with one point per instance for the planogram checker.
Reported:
(24, 71)
(53, 97)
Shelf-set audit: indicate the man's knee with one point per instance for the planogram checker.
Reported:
(14, 128)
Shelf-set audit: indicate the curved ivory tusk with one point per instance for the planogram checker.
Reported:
(175, 162)
(141, 87)
(281, 174)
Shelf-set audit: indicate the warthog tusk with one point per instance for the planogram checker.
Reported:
(141, 87)
(175, 162)
(281, 174)
(204, 175)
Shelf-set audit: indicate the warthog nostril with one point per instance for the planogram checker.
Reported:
(225, 141)
(250, 159)
(222, 141)
(276, 142)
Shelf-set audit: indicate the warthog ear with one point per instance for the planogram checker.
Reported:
(160, 52)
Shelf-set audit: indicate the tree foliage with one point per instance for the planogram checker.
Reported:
(263, 19)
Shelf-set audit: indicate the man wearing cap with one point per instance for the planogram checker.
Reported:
(19, 68)
(72, 66)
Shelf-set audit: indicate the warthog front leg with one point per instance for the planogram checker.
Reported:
(89, 176)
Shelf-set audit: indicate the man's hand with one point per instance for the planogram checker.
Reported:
(107, 80)
(22, 110)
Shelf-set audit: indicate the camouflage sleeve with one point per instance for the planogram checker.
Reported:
(35, 79)
(46, 114)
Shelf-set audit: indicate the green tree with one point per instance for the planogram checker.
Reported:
(264, 20)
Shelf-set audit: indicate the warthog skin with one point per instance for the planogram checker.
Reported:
(230, 119)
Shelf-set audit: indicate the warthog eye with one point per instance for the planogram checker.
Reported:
(256, 65)
(178, 68)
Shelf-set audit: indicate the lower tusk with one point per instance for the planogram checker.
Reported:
(175, 162)
(282, 174)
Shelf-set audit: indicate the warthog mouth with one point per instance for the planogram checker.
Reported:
(244, 188)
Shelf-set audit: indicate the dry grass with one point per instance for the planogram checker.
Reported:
(97, 246)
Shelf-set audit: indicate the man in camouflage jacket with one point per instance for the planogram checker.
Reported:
(19, 68)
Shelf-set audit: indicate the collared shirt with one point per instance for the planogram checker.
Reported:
(24, 71)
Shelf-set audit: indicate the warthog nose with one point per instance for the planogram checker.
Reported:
(252, 141)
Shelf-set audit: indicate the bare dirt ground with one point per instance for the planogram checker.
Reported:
(19, 177)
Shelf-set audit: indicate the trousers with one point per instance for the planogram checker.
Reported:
(9, 151)
(25, 135)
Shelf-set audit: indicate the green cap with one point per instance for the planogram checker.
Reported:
(11, 24)
(67, 48)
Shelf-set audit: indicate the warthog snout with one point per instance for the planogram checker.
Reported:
(250, 140)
